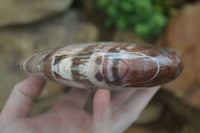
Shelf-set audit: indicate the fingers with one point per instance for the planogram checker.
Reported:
(102, 111)
(131, 109)
(120, 98)
(75, 96)
(22, 97)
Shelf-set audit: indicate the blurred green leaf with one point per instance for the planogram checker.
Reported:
(148, 18)
(142, 29)
(122, 24)
(126, 6)
(159, 19)
(103, 3)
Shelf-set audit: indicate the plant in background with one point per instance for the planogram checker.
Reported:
(147, 18)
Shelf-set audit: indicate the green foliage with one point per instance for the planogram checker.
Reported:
(147, 17)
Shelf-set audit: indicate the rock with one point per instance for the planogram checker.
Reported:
(88, 32)
(20, 41)
(182, 35)
(14, 12)
(176, 111)
(91, 6)
(138, 130)
(150, 114)
(126, 36)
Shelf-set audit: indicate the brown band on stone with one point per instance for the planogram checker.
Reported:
(58, 59)
(47, 63)
(82, 57)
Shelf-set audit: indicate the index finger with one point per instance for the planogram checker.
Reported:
(21, 98)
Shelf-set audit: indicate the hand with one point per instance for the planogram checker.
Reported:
(69, 116)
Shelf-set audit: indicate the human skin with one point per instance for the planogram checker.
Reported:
(68, 116)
